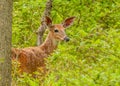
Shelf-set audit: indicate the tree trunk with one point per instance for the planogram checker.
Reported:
(5, 41)
(42, 28)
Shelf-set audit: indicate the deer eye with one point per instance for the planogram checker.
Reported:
(56, 31)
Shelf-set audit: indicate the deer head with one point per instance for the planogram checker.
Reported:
(58, 30)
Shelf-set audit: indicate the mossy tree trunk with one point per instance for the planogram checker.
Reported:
(5, 41)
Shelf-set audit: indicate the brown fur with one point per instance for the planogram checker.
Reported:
(33, 57)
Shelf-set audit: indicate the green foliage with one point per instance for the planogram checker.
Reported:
(92, 56)
(26, 20)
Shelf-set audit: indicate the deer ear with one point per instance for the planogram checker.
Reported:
(48, 21)
(68, 22)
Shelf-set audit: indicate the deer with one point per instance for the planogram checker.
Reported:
(32, 58)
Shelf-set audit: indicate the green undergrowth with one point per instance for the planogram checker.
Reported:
(95, 62)
(90, 58)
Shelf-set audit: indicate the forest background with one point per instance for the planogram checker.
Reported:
(90, 58)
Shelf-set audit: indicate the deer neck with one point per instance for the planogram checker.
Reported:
(50, 44)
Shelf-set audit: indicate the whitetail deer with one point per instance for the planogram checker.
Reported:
(33, 57)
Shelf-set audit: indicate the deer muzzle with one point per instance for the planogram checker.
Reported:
(66, 39)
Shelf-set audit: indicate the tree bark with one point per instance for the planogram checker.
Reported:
(5, 41)
(42, 28)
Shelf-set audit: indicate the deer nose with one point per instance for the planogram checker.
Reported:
(66, 39)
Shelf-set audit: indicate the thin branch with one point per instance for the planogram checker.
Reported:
(42, 28)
